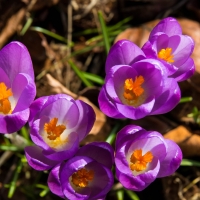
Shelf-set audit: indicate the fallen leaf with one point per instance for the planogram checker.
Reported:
(12, 26)
(189, 142)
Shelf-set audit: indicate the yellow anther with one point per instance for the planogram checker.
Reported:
(133, 89)
(82, 177)
(5, 105)
(138, 161)
(165, 54)
(52, 130)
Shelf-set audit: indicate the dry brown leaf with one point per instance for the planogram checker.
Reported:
(12, 26)
(37, 4)
(100, 129)
(138, 35)
(188, 142)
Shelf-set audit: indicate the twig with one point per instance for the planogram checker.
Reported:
(17, 140)
(5, 156)
(69, 22)
(87, 10)
(195, 181)
(12, 26)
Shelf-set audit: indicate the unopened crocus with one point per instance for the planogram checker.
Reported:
(17, 87)
(86, 176)
(57, 124)
(134, 86)
(167, 44)
(142, 156)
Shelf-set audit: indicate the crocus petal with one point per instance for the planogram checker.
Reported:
(169, 25)
(70, 150)
(37, 160)
(138, 112)
(61, 109)
(42, 102)
(127, 130)
(115, 80)
(185, 71)
(13, 122)
(54, 181)
(36, 136)
(4, 78)
(35, 107)
(15, 59)
(107, 106)
(92, 150)
(85, 124)
(172, 161)
(102, 182)
(123, 52)
(24, 91)
(182, 46)
(168, 99)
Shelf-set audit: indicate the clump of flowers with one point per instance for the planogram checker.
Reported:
(142, 156)
(138, 82)
(57, 124)
(134, 86)
(167, 44)
(17, 87)
(87, 175)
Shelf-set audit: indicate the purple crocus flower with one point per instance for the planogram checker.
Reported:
(17, 87)
(134, 86)
(173, 49)
(86, 176)
(57, 124)
(142, 156)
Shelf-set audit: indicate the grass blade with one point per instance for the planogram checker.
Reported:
(26, 26)
(112, 136)
(14, 180)
(120, 194)
(185, 99)
(80, 74)
(104, 32)
(132, 195)
(187, 162)
(9, 148)
(93, 77)
(51, 34)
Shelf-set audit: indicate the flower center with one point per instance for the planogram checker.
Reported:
(165, 54)
(138, 161)
(53, 137)
(5, 93)
(133, 89)
(52, 130)
(82, 177)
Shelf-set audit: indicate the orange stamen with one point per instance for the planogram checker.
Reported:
(5, 105)
(82, 177)
(133, 89)
(139, 162)
(165, 54)
(52, 130)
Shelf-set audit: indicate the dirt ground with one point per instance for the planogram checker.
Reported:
(78, 38)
